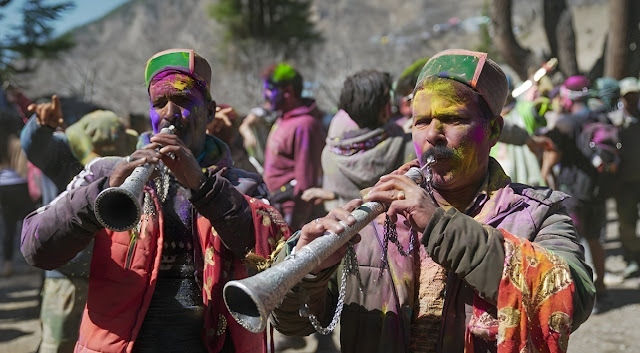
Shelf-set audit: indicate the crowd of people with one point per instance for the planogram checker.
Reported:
(485, 256)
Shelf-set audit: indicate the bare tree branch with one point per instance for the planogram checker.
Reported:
(505, 41)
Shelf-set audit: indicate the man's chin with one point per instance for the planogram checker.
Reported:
(442, 180)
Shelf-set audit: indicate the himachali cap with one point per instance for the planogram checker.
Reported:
(475, 70)
(182, 60)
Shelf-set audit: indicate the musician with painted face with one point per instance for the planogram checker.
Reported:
(158, 287)
(496, 265)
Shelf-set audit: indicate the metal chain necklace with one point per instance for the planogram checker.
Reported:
(351, 262)
(390, 230)
(162, 183)
(351, 268)
(391, 234)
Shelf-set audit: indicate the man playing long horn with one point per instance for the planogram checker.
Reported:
(496, 266)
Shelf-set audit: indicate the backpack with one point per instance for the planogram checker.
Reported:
(599, 141)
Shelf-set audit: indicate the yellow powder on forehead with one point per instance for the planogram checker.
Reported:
(176, 80)
(448, 90)
(437, 102)
(180, 84)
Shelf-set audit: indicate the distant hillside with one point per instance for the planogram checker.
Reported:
(107, 64)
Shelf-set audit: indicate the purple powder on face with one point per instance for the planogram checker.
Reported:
(155, 119)
(272, 95)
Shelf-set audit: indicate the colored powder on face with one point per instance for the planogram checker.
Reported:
(167, 86)
(187, 111)
(270, 94)
(445, 90)
(440, 97)
(155, 119)
(173, 82)
(181, 85)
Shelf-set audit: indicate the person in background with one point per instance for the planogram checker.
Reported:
(158, 287)
(225, 127)
(519, 149)
(363, 144)
(577, 176)
(60, 155)
(498, 266)
(402, 92)
(254, 130)
(15, 202)
(627, 192)
(294, 146)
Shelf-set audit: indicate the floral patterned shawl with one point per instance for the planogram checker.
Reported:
(534, 302)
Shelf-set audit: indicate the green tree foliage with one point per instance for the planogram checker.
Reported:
(32, 40)
(282, 23)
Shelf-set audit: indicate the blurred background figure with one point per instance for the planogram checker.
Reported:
(15, 202)
(254, 130)
(519, 149)
(577, 176)
(225, 127)
(402, 93)
(627, 193)
(61, 154)
(363, 144)
(292, 158)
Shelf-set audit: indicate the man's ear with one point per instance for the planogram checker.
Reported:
(385, 114)
(211, 111)
(495, 129)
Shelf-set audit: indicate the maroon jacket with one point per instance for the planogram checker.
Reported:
(293, 151)
(294, 147)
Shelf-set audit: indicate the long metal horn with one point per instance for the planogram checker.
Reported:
(118, 208)
(250, 300)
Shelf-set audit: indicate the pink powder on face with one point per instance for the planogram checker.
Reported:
(479, 135)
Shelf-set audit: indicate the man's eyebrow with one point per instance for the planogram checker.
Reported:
(449, 116)
(451, 111)
(422, 116)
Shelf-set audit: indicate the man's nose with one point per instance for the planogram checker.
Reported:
(172, 111)
(435, 133)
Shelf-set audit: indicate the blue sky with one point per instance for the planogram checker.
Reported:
(85, 11)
